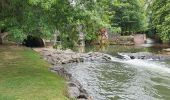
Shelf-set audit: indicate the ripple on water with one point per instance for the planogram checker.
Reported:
(124, 81)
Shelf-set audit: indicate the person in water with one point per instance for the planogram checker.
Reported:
(103, 38)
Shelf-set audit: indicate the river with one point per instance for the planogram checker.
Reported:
(124, 79)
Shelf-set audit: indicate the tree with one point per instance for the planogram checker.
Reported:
(43, 17)
(161, 18)
(100, 17)
(129, 15)
(10, 14)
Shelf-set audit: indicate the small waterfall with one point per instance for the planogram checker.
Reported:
(139, 63)
(155, 66)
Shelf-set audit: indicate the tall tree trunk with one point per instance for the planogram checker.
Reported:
(1, 40)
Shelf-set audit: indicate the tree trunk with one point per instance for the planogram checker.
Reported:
(1, 40)
(55, 39)
(2, 36)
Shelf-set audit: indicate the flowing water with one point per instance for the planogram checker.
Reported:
(124, 79)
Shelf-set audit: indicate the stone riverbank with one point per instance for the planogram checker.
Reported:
(60, 57)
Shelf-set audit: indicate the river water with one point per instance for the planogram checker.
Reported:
(124, 79)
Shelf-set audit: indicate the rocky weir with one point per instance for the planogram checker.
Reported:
(59, 57)
(144, 56)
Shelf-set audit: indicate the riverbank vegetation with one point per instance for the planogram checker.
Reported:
(24, 76)
(161, 18)
(43, 18)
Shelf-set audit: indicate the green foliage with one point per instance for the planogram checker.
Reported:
(161, 18)
(20, 17)
(129, 15)
(16, 35)
(43, 17)
(46, 4)
(57, 46)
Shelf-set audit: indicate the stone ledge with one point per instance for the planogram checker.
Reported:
(64, 57)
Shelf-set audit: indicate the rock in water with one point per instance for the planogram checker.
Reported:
(143, 55)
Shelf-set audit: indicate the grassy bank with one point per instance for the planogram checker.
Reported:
(24, 76)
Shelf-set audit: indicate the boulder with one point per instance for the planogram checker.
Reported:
(75, 89)
(73, 92)
(64, 57)
(61, 71)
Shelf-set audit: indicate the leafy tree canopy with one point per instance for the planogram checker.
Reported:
(129, 15)
(43, 18)
(161, 18)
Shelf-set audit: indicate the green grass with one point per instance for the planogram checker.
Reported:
(25, 76)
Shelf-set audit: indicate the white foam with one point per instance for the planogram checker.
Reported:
(124, 56)
(150, 65)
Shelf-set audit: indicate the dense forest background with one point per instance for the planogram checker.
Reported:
(43, 18)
